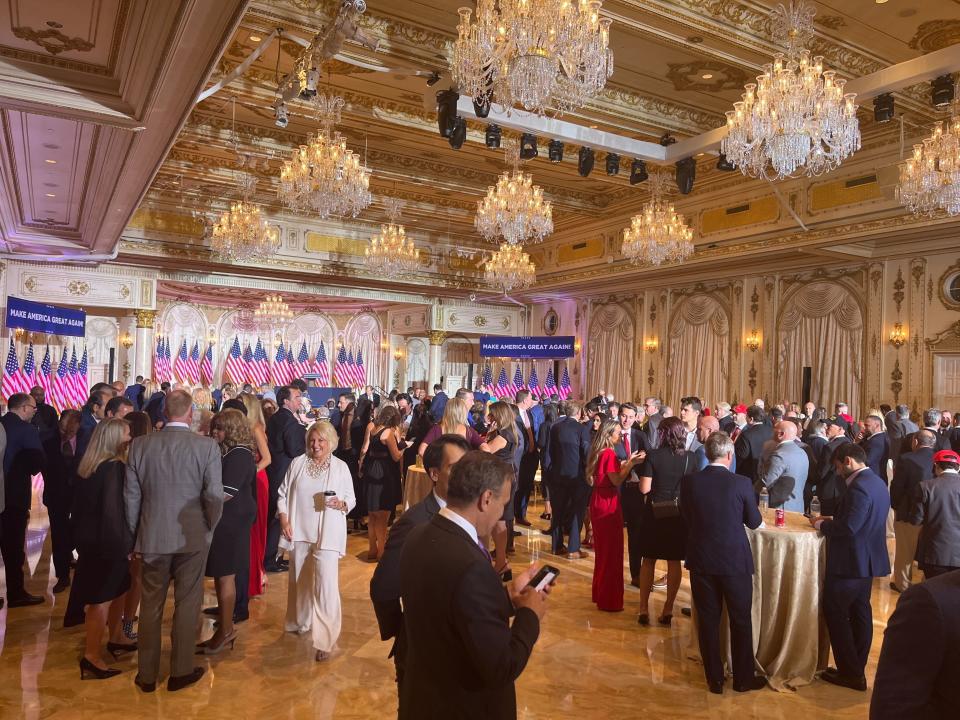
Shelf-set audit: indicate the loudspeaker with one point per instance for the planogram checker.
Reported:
(112, 360)
(807, 382)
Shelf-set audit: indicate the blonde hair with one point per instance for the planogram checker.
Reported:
(106, 443)
(601, 441)
(254, 410)
(325, 428)
(202, 398)
(235, 427)
(454, 415)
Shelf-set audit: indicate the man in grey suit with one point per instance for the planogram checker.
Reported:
(651, 408)
(174, 498)
(782, 457)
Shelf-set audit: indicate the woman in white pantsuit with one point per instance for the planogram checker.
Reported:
(314, 525)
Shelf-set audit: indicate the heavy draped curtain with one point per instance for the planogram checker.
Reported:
(698, 351)
(458, 355)
(363, 333)
(821, 327)
(610, 350)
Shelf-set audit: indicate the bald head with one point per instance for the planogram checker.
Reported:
(706, 424)
(925, 439)
(785, 430)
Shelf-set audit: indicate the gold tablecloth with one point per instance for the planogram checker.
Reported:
(417, 486)
(790, 640)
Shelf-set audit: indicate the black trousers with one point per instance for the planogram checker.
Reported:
(61, 537)
(273, 527)
(849, 617)
(631, 499)
(529, 462)
(561, 502)
(710, 593)
(931, 571)
(13, 537)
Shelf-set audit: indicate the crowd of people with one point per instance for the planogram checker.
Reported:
(150, 486)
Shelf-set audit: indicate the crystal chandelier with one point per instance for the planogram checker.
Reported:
(509, 268)
(659, 233)
(534, 53)
(242, 233)
(323, 176)
(930, 179)
(796, 117)
(390, 253)
(273, 311)
(514, 209)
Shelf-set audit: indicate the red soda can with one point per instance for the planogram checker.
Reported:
(781, 518)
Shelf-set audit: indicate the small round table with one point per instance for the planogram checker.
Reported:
(416, 487)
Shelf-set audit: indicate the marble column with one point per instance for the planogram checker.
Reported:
(433, 362)
(144, 343)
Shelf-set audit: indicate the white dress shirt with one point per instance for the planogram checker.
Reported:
(461, 521)
(302, 500)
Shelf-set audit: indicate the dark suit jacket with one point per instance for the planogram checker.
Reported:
(650, 428)
(463, 655)
(22, 458)
(543, 445)
(877, 448)
(749, 448)
(727, 424)
(569, 448)
(155, 407)
(857, 533)
(942, 442)
(438, 405)
(88, 423)
(134, 393)
(938, 513)
(920, 659)
(46, 421)
(716, 504)
(830, 486)
(59, 474)
(638, 441)
(286, 439)
(911, 469)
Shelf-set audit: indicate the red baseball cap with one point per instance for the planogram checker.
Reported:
(946, 456)
(741, 408)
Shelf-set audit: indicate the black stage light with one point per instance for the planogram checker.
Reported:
(493, 136)
(459, 133)
(638, 172)
(686, 174)
(585, 161)
(613, 164)
(281, 117)
(883, 108)
(528, 146)
(482, 109)
(433, 78)
(446, 111)
(555, 151)
(942, 91)
(667, 139)
(724, 164)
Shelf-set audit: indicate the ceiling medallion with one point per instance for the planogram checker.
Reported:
(324, 177)
(536, 54)
(930, 179)
(796, 117)
(515, 209)
(510, 268)
(658, 234)
(242, 234)
(390, 253)
(706, 75)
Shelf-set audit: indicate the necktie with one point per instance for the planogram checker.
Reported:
(486, 553)
(626, 444)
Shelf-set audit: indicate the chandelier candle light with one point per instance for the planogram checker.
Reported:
(930, 179)
(390, 253)
(273, 310)
(796, 117)
(324, 176)
(515, 209)
(533, 53)
(659, 233)
(510, 268)
(242, 234)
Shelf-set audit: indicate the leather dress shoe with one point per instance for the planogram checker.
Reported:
(686, 612)
(580, 554)
(24, 600)
(181, 681)
(144, 686)
(833, 676)
(757, 683)
(895, 588)
(62, 584)
(562, 551)
(716, 687)
(524, 522)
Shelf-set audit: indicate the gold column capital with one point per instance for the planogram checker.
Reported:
(437, 337)
(145, 318)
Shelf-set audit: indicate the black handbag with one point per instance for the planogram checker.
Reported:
(666, 509)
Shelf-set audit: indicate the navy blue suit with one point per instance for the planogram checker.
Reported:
(569, 492)
(631, 499)
(877, 448)
(88, 423)
(716, 504)
(856, 553)
(134, 393)
(438, 405)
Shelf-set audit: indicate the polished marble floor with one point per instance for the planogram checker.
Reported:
(587, 664)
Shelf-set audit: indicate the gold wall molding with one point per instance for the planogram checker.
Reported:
(145, 318)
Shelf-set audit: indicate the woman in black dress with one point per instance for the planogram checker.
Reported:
(104, 543)
(663, 538)
(380, 472)
(230, 547)
(503, 440)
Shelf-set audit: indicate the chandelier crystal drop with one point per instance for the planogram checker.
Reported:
(514, 209)
(930, 178)
(796, 119)
(510, 268)
(242, 234)
(324, 176)
(533, 53)
(390, 252)
(273, 311)
(659, 233)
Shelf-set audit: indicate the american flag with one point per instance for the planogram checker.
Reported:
(549, 385)
(12, 379)
(322, 367)
(58, 384)
(206, 366)
(43, 374)
(81, 379)
(158, 371)
(260, 369)
(352, 369)
(341, 374)
(248, 363)
(303, 360)
(71, 383)
(564, 390)
(29, 369)
(291, 366)
(501, 389)
(234, 367)
(280, 366)
(181, 365)
(517, 384)
(533, 383)
(194, 363)
(361, 371)
(487, 382)
(167, 361)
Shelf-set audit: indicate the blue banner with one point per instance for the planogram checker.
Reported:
(523, 348)
(50, 319)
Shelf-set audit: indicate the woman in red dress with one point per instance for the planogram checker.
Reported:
(605, 473)
(258, 534)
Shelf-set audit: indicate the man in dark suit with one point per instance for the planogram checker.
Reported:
(830, 486)
(441, 455)
(938, 512)
(931, 422)
(463, 655)
(632, 439)
(134, 393)
(22, 458)
(90, 416)
(286, 439)
(439, 403)
(899, 426)
(156, 405)
(856, 553)
(724, 415)
(716, 504)
(911, 469)
(876, 445)
(569, 492)
(920, 658)
(527, 428)
(653, 415)
(46, 417)
(749, 445)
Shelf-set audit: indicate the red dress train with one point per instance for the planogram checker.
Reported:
(258, 535)
(606, 516)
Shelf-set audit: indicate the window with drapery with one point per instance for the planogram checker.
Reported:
(699, 351)
(610, 352)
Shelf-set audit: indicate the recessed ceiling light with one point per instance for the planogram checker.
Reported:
(51, 195)
(255, 38)
(593, 127)
(880, 2)
(707, 76)
(52, 162)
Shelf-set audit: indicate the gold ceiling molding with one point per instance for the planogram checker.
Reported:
(936, 35)
(166, 222)
(664, 111)
(689, 76)
(831, 22)
(52, 40)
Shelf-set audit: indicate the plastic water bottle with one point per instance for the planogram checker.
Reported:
(815, 507)
(764, 501)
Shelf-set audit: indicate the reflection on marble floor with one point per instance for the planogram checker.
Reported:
(587, 664)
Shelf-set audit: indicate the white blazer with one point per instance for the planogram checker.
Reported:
(301, 499)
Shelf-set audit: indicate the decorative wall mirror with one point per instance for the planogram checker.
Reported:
(950, 287)
(551, 322)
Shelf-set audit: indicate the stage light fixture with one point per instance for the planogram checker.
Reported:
(493, 136)
(433, 78)
(942, 91)
(883, 108)
(585, 161)
(447, 111)
(459, 133)
(613, 164)
(281, 117)
(482, 109)
(528, 146)
(555, 151)
(638, 171)
(686, 174)
(309, 89)
(724, 164)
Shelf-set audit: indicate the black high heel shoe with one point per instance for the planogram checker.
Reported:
(643, 619)
(118, 649)
(665, 620)
(89, 671)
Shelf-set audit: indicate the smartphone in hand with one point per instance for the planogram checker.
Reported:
(545, 575)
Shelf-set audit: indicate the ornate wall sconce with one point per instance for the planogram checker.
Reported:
(20, 334)
(753, 340)
(126, 340)
(577, 346)
(398, 354)
(651, 345)
(899, 336)
(212, 337)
